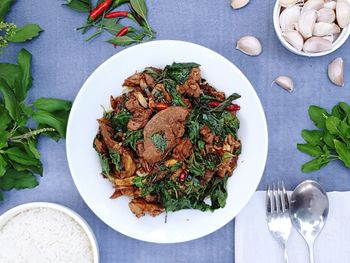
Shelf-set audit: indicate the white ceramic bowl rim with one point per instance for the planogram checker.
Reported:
(5, 217)
(335, 45)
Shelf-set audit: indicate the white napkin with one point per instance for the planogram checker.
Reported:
(255, 244)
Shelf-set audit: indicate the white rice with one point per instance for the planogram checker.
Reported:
(43, 235)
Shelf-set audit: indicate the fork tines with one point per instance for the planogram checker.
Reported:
(276, 199)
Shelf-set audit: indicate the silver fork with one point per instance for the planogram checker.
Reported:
(277, 214)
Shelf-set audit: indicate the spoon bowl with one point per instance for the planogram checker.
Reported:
(309, 207)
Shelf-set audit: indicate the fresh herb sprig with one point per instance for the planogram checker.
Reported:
(103, 17)
(19, 156)
(9, 32)
(331, 141)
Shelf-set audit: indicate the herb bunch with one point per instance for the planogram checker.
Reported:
(331, 141)
(103, 17)
(19, 156)
(9, 32)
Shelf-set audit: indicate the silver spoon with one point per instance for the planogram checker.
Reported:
(308, 211)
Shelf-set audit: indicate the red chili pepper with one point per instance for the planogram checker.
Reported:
(117, 14)
(213, 103)
(158, 106)
(99, 9)
(233, 107)
(183, 176)
(123, 31)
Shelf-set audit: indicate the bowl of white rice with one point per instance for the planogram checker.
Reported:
(46, 232)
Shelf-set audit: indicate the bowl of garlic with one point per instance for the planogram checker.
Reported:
(312, 28)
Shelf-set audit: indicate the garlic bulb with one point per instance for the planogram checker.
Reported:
(323, 29)
(289, 17)
(330, 4)
(294, 38)
(236, 4)
(285, 82)
(306, 22)
(249, 45)
(286, 3)
(313, 4)
(335, 72)
(317, 44)
(326, 15)
(343, 13)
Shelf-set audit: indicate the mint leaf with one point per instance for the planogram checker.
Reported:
(25, 33)
(318, 115)
(343, 152)
(313, 165)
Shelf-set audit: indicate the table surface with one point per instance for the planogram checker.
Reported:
(62, 61)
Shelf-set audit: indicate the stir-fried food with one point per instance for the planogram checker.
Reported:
(170, 142)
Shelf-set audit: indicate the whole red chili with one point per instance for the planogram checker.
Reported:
(117, 14)
(183, 176)
(213, 103)
(233, 107)
(99, 9)
(123, 31)
(158, 106)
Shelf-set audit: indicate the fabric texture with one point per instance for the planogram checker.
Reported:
(62, 61)
(254, 243)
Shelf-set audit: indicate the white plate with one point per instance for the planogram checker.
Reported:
(84, 164)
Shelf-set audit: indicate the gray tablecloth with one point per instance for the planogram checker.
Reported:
(63, 61)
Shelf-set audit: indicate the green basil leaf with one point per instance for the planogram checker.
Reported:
(5, 6)
(179, 72)
(17, 155)
(160, 142)
(140, 8)
(312, 137)
(132, 137)
(83, 6)
(122, 41)
(25, 33)
(318, 115)
(57, 120)
(329, 139)
(338, 112)
(21, 167)
(32, 148)
(4, 136)
(112, 26)
(24, 60)
(51, 105)
(315, 164)
(332, 125)
(18, 180)
(344, 128)
(11, 103)
(4, 118)
(310, 149)
(343, 152)
(345, 107)
(9, 73)
(3, 165)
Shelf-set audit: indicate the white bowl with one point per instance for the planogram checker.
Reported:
(344, 35)
(5, 217)
(84, 163)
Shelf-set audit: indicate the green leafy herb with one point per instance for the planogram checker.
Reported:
(160, 142)
(179, 72)
(332, 140)
(115, 157)
(120, 120)
(83, 6)
(170, 87)
(132, 137)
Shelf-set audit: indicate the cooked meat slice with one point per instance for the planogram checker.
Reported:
(106, 132)
(100, 145)
(191, 86)
(227, 166)
(183, 150)
(207, 176)
(140, 207)
(149, 80)
(128, 163)
(133, 80)
(139, 119)
(124, 182)
(132, 104)
(213, 92)
(208, 136)
(116, 194)
(169, 122)
(140, 148)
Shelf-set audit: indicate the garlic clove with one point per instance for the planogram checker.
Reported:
(330, 4)
(294, 38)
(306, 22)
(236, 4)
(325, 15)
(286, 3)
(313, 5)
(329, 37)
(317, 44)
(249, 45)
(343, 13)
(323, 29)
(335, 72)
(289, 16)
(285, 83)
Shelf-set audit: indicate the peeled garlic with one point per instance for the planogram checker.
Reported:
(335, 72)
(141, 99)
(330, 4)
(325, 15)
(249, 45)
(286, 3)
(285, 83)
(294, 38)
(289, 17)
(236, 4)
(306, 22)
(313, 4)
(317, 44)
(322, 29)
(329, 37)
(343, 13)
